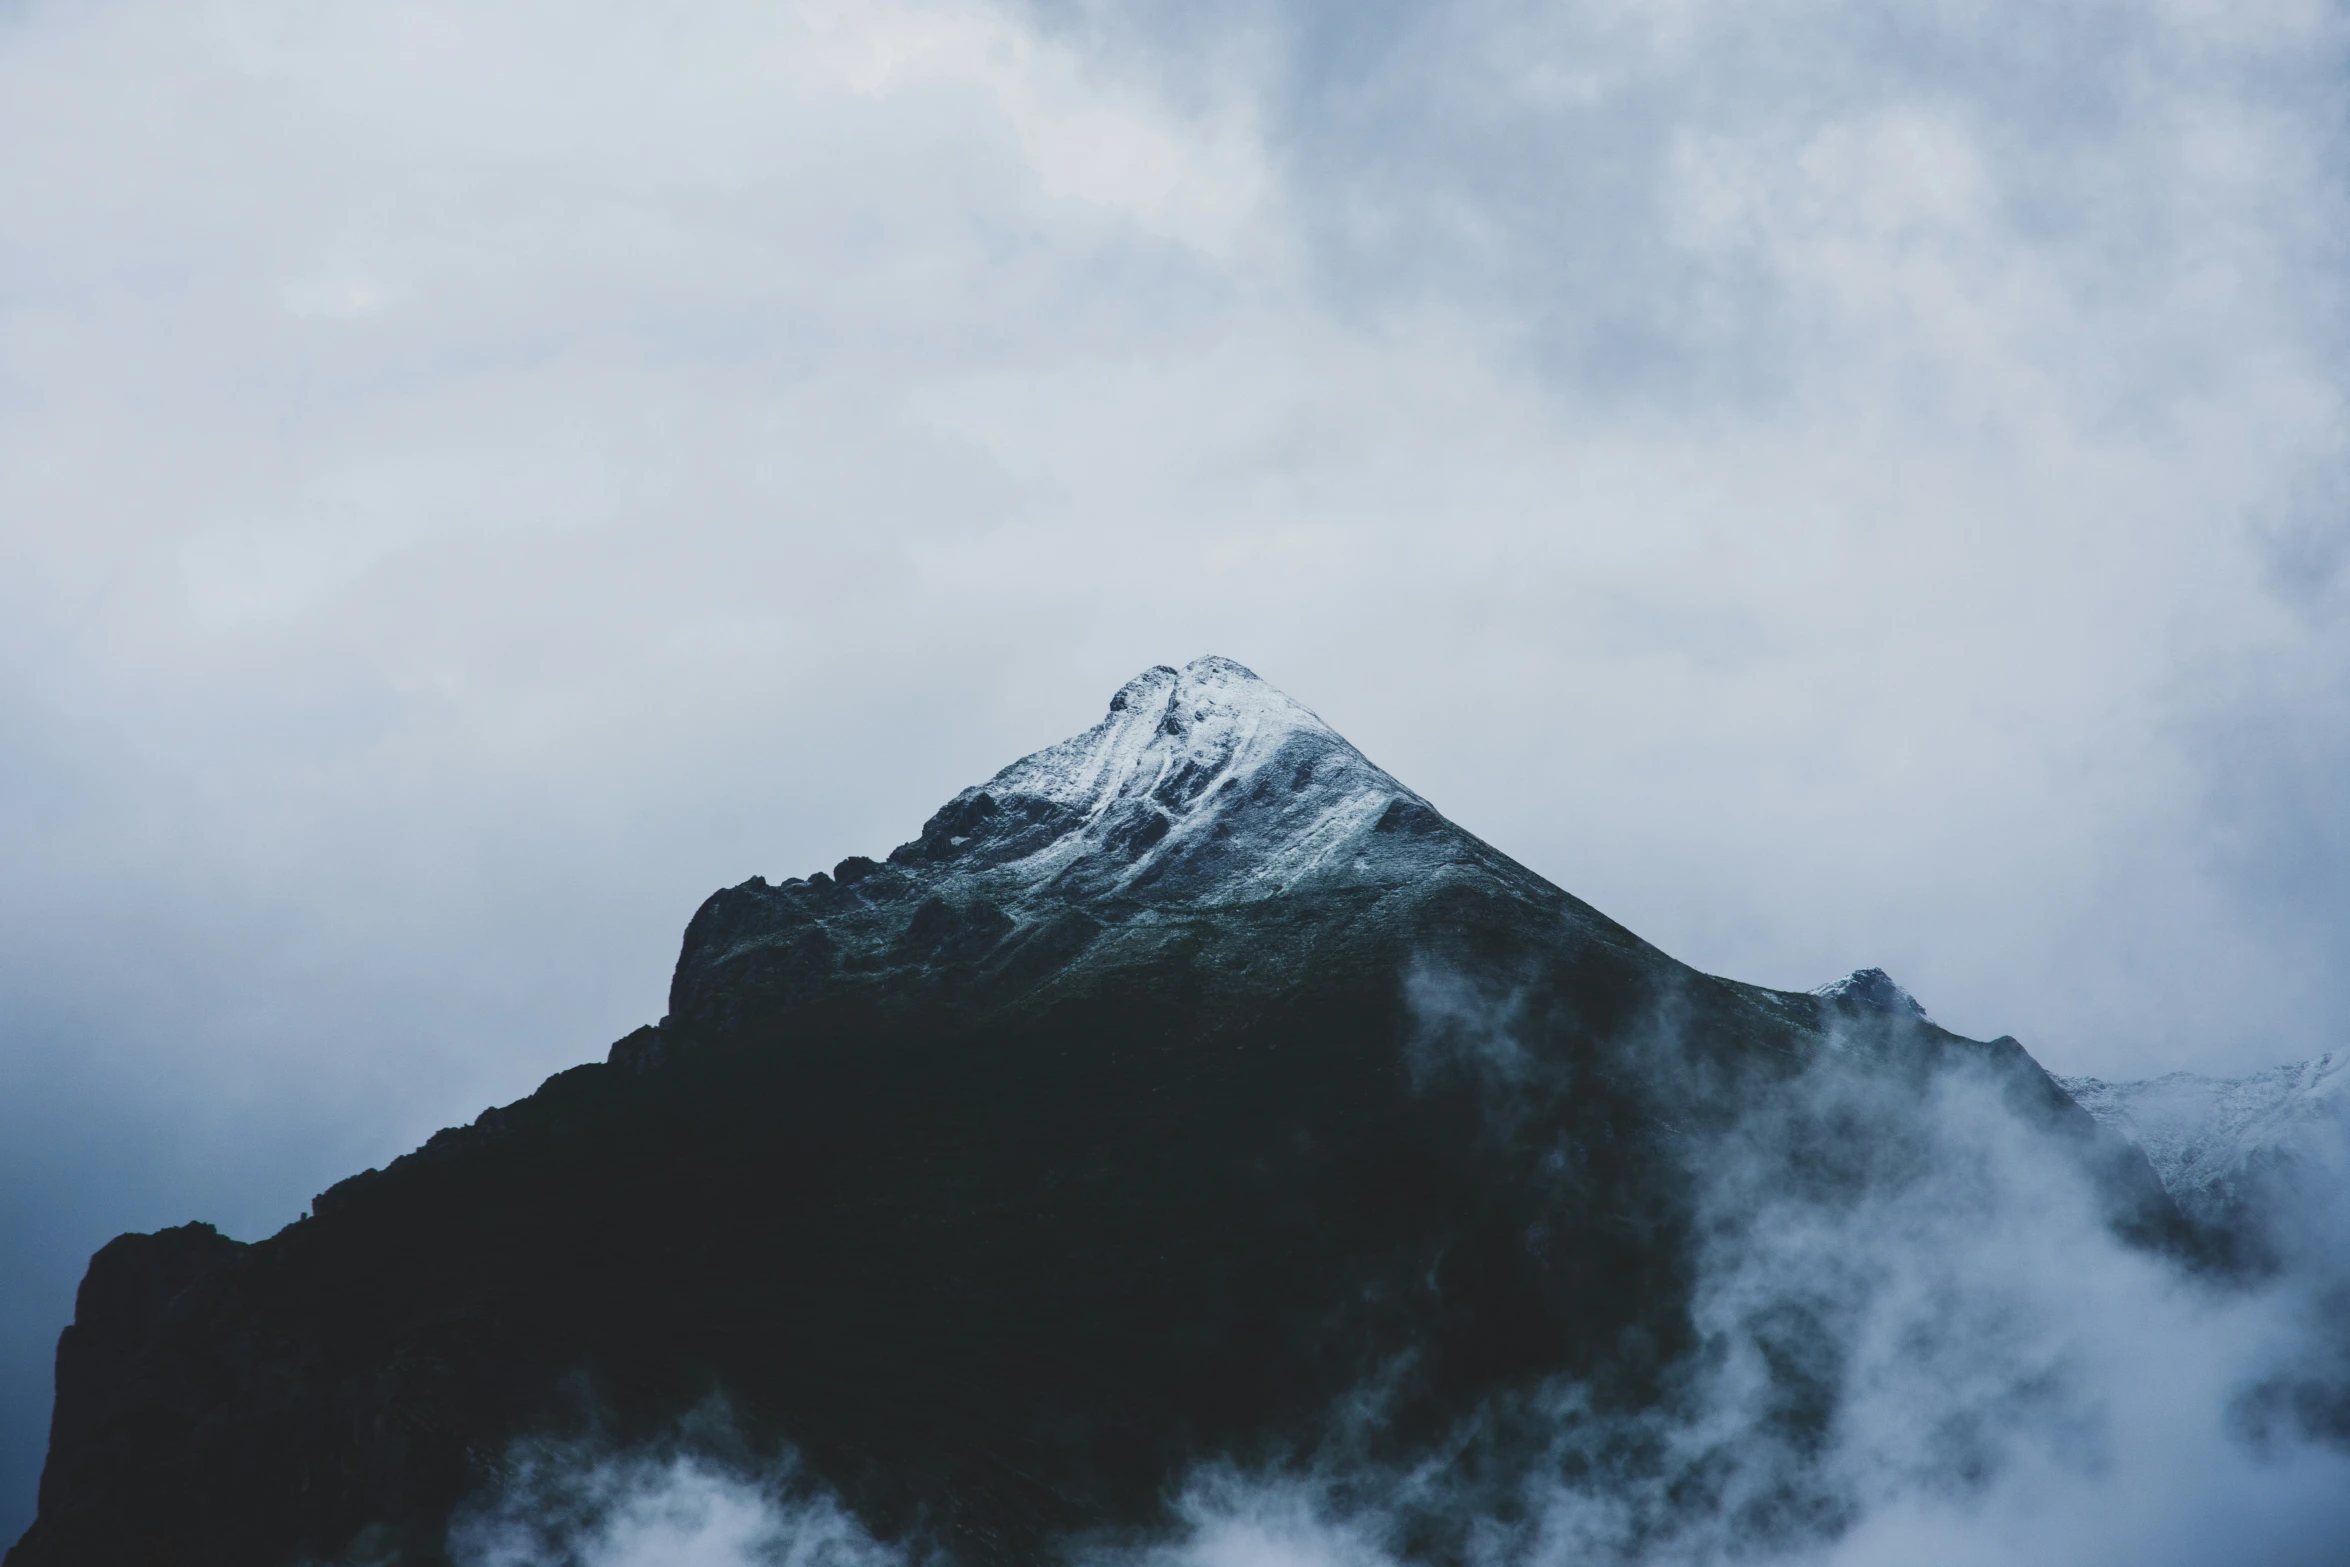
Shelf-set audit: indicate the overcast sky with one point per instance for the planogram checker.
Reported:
(1830, 484)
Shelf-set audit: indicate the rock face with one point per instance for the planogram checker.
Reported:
(1170, 1090)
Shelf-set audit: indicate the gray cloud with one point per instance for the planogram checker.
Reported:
(1829, 487)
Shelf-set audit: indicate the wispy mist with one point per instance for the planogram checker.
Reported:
(567, 1506)
(1920, 1342)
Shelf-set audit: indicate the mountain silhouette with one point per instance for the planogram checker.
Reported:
(1184, 1086)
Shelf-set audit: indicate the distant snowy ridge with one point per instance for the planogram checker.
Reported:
(2211, 1139)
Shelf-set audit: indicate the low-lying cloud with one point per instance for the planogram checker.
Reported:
(569, 1506)
(1919, 1343)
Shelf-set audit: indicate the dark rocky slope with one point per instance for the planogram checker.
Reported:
(1179, 1082)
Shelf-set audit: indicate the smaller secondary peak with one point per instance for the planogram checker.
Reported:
(1873, 987)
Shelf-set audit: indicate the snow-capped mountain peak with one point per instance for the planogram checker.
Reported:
(1173, 735)
(1204, 783)
(1201, 789)
(1873, 987)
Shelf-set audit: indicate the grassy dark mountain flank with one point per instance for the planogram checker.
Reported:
(1174, 1086)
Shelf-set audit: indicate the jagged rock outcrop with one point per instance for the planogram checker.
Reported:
(1180, 1082)
(1873, 987)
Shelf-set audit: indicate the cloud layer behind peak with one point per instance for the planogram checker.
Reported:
(1832, 486)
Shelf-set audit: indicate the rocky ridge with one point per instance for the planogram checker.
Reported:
(2222, 1146)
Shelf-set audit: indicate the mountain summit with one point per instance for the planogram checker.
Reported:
(1203, 791)
(1202, 785)
(1873, 987)
(1191, 1091)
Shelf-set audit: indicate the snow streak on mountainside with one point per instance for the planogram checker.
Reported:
(2211, 1138)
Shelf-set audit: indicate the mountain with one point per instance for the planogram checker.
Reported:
(1191, 1090)
(1207, 807)
(1874, 988)
(2233, 1152)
